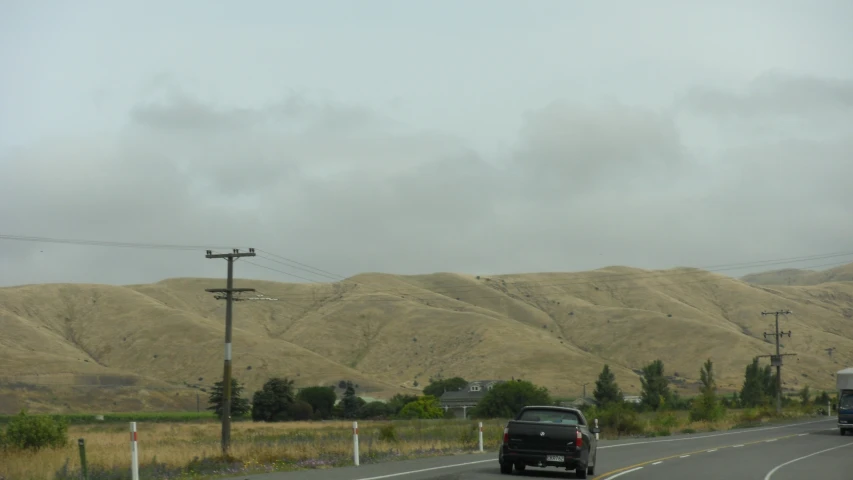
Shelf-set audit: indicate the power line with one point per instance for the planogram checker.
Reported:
(282, 272)
(605, 277)
(302, 264)
(604, 281)
(448, 288)
(330, 277)
(152, 246)
(105, 243)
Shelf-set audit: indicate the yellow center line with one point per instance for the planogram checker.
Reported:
(604, 476)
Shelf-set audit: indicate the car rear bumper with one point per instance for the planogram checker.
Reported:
(571, 460)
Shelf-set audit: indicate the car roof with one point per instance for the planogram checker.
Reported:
(553, 407)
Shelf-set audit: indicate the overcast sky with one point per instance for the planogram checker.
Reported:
(415, 137)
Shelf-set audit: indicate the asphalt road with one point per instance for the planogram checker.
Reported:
(782, 452)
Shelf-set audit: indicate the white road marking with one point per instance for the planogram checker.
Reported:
(684, 456)
(687, 437)
(623, 473)
(399, 474)
(771, 472)
(771, 440)
(428, 469)
(711, 450)
(802, 434)
(658, 463)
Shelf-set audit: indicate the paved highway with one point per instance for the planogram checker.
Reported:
(782, 452)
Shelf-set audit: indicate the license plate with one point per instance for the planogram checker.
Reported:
(555, 458)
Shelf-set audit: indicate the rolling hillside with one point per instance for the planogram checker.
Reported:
(793, 276)
(100, 348)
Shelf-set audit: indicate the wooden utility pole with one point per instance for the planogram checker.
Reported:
(229, 292)
(776, 360)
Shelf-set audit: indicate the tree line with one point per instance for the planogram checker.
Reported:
(279, 400)
(758, 390)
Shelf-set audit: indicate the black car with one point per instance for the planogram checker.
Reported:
(549, 437)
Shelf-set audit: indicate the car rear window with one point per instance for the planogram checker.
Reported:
(550, 416)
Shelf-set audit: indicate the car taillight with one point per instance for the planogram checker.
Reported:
(506, 435)
(579, 440)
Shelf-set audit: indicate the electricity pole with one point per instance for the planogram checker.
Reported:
(229, 292)
(776, 360)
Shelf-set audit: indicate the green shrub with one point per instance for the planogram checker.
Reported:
(705, 410)
(621, 418)
(469, 437)
(387, 433)
(665, 421)
(755, 415)
(300, 410)
(27, 432)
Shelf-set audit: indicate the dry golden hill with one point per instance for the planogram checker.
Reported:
(793, 276)
(68, 347)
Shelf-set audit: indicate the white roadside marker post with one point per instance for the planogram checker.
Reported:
(355, 442)
(134, 453)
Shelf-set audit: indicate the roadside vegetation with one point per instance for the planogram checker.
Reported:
(280, 429)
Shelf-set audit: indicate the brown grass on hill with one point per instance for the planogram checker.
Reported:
(387, 332)
(793, 276)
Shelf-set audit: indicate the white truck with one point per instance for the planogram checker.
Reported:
(845, 400)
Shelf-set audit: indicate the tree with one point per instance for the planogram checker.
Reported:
(300, 410)
(321, 399)
(606, 390)
(752, 392)
(437, 388)
(424, 407)
(374, 409)
(505, 399)
(239, 405)
(272, 402)
(822, 399)
(769, 381)
(350, 403)
(28, 432)
(706, 407)
(655, 387)
(398, 401)
(759, 385)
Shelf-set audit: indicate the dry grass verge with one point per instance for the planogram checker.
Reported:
(181, 451)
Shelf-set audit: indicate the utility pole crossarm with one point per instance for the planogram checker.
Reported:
(230, 256)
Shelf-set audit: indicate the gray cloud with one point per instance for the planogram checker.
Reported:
(349, 189)
(776, 94)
